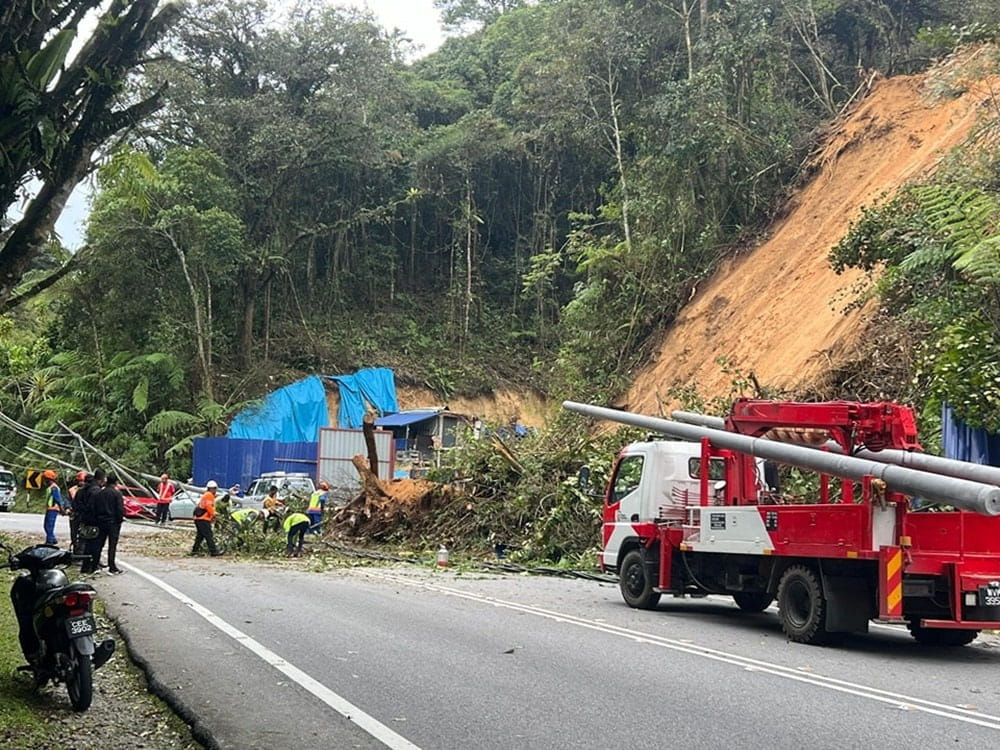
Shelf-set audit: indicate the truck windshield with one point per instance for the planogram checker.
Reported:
(627, 477)
(6, 480)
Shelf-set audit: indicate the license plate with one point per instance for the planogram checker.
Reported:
(989, 594)
(82, 625)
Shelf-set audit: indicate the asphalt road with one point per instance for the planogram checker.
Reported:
(296, 655)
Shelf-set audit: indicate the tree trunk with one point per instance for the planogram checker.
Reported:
(368, 429)
(469, 219)
(246, 325)
(370, 483)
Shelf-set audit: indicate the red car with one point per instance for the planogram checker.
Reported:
(138, 502)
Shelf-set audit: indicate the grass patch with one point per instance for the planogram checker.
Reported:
(23, 722)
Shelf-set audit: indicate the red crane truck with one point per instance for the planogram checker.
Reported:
(887, 533)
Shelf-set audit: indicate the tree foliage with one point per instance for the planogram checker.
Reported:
(56, 109)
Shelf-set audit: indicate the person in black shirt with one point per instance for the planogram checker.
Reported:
(83, 506)
(108, 512)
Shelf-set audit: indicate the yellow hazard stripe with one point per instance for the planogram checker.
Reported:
(894, 582)
(893, 565)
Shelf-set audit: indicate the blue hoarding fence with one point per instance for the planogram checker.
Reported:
(232, 461)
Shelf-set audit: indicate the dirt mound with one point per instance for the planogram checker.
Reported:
(497, 408)
(778, 310)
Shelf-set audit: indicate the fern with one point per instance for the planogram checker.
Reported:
(961, 215)
(172, 422)
(928, 256)
(982, 261)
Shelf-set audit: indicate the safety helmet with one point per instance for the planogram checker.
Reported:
(81, 476)
(212, 484)
(324, 485)
(49, 474)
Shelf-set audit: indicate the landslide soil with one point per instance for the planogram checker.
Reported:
(778, 310)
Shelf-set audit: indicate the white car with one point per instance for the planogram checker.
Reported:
(183, 504)
(8, 489)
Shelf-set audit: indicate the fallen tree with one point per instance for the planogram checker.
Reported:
(387, 507)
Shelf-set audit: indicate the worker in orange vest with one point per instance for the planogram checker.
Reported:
(164, 495)
(204, 516)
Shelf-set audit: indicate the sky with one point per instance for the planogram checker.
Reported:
(418, 19)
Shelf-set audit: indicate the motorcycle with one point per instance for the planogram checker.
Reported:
(56, 626)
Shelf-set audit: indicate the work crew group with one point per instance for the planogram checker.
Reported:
(96, 511)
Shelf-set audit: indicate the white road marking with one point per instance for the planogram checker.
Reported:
(339, 704)
(895, 700)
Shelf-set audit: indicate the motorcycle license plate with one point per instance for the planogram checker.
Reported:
(81, 625)
(989, 594)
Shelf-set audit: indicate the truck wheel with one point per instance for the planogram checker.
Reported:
(635, 583)
(801, 606)
(752, 601)
(940, 636)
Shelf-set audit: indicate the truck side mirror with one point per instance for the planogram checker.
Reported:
(583, 479)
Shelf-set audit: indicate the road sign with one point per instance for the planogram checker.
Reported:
(33, 479)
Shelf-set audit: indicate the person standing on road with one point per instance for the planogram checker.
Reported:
(108, 512)
(74, 517)
(111, 498)
(164, 495)
(53, 506)
(83, 508)
(204, 516)
(296, 525)
(317, 504)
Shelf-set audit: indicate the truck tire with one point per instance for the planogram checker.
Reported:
(940, 636)
(635, 582)
(752, 601)
(802, 606)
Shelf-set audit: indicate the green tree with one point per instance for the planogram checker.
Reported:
(56, 110)
(456, 14)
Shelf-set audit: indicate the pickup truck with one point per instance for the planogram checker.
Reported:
(288, 483)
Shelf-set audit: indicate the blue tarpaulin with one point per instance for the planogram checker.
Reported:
(965, 443)
(291, 414)
(404, 418)
(376, 385)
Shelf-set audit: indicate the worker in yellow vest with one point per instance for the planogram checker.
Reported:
(317, 504)
(54, 506)
(296, 525)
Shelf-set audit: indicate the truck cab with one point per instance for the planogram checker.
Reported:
(654, 482)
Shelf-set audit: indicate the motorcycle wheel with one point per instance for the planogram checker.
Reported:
(80, 681)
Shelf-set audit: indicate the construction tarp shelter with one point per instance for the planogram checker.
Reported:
(295, 413)
(374, 385)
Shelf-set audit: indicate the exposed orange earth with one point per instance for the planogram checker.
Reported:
(778, 309)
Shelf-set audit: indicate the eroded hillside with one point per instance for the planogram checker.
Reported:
(778, 310)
